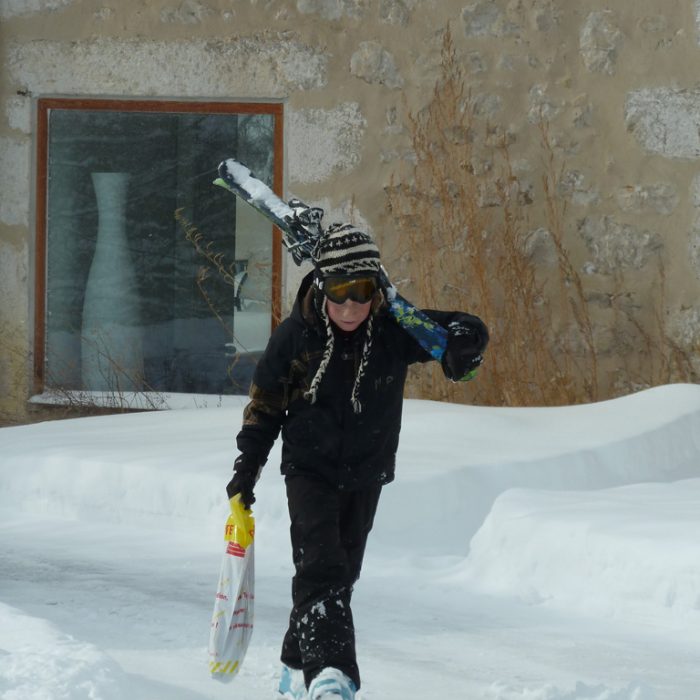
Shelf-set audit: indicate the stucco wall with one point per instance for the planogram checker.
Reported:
(617, 81)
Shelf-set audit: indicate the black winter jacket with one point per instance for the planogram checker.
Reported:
(327, 438)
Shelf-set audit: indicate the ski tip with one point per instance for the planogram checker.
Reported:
(233, 169)
(469, 376)
(221, 183)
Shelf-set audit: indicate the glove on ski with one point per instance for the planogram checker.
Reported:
(245, 474)
(467, 338)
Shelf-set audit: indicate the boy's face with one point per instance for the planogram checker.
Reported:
(349, 315)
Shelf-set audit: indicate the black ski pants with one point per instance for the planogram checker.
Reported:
(329, 529)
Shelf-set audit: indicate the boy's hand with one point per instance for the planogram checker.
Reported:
(245, 474)
(467, 338)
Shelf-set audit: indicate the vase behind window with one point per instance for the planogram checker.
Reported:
(112, 354)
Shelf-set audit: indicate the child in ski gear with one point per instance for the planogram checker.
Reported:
(331, 380)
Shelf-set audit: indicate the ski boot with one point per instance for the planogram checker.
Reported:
(332, 684)
(292, 686)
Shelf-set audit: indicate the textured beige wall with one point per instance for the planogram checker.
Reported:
(617, 81)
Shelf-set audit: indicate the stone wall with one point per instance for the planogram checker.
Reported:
(616, 81)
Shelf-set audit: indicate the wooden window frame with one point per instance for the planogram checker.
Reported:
(44, 107)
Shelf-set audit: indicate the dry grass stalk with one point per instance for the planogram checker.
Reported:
(215, 265)
(462, 219)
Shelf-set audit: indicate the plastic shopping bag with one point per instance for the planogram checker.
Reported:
(232, 619)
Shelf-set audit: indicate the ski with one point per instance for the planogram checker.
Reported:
(301, 228)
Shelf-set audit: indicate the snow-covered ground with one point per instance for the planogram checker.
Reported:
(522, 554)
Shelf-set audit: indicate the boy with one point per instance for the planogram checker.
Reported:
(331, 379)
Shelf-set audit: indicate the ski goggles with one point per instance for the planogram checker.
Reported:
(340, 288)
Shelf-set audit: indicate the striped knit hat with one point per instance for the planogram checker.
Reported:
(343, 250)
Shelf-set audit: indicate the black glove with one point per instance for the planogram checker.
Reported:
(245, 474)
(467, 338)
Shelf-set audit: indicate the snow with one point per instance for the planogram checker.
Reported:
(257, 190)
(521, 554)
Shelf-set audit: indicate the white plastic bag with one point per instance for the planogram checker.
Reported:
(232, 619)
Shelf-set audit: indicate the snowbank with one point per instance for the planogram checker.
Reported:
(163, 466)
(637, 558)
(39, 662)
(454, 461)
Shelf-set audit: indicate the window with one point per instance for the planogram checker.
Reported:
(149, 277)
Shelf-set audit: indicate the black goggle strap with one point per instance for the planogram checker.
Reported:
(340, 289)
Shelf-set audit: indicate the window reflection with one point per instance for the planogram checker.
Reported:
(128, 307)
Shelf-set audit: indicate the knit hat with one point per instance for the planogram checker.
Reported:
(343, 250)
